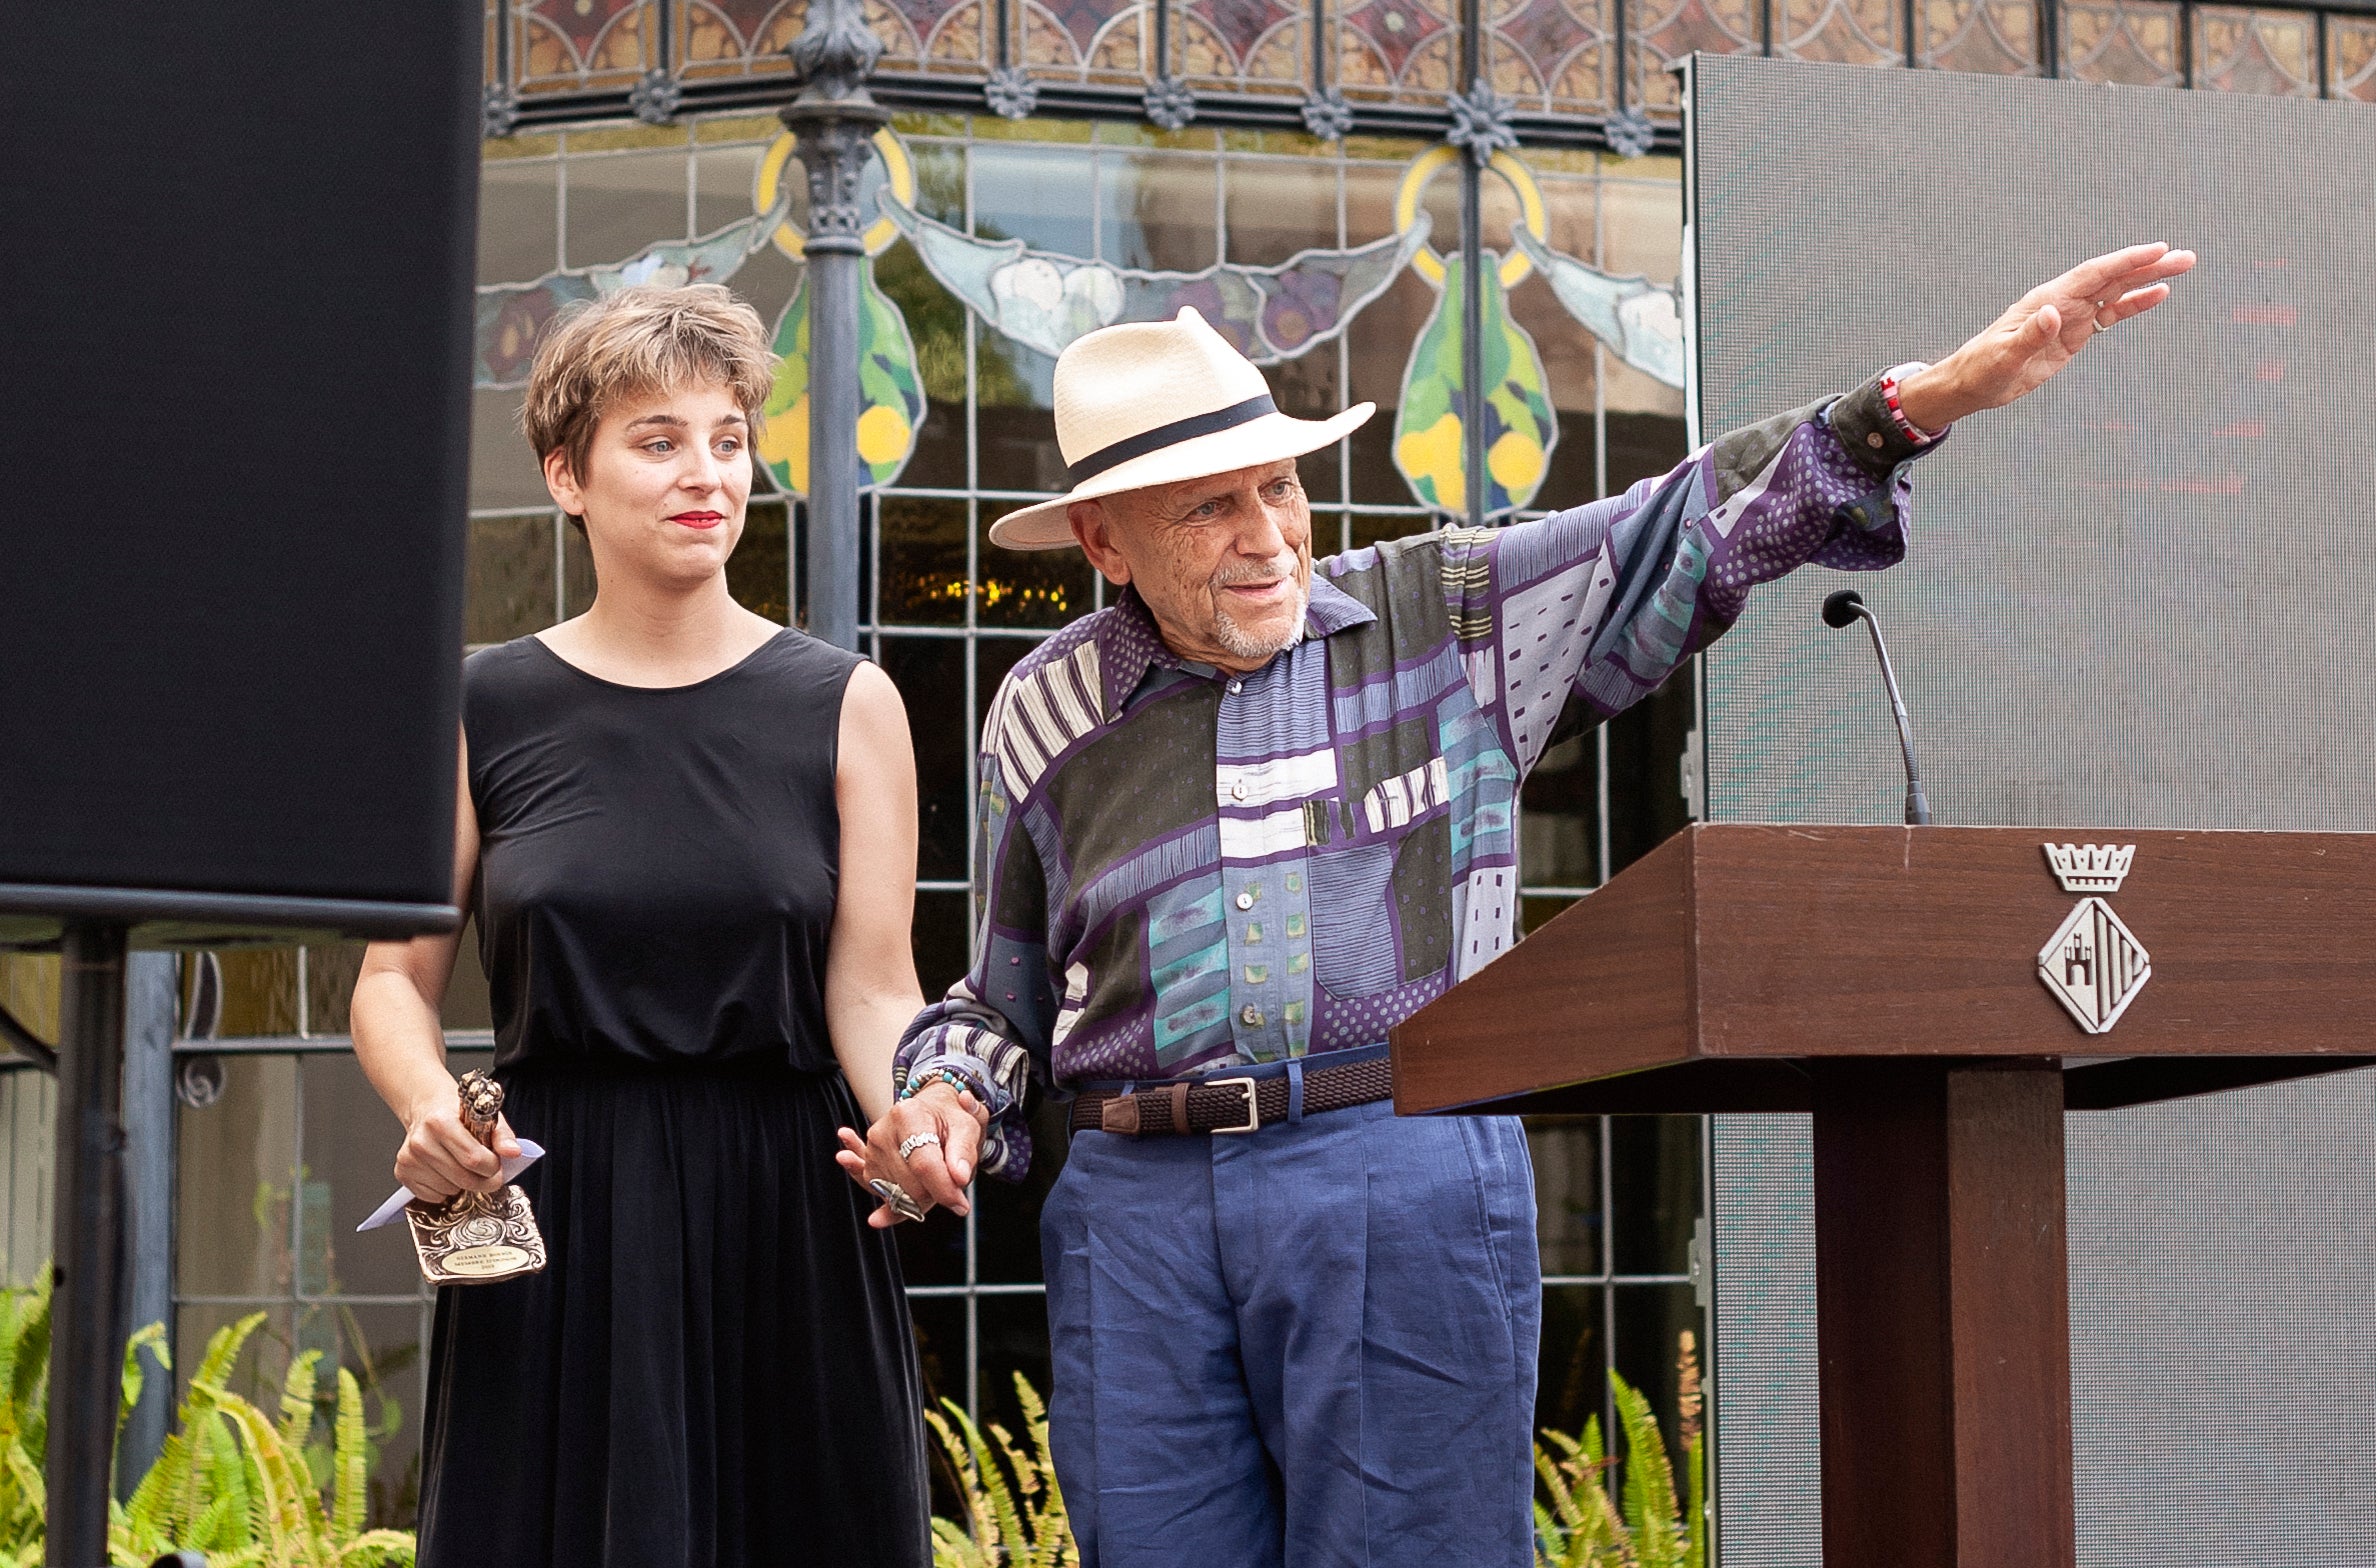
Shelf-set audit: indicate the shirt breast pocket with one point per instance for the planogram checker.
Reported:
(1381, 912)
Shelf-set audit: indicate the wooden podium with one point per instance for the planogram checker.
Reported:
(1887, 980)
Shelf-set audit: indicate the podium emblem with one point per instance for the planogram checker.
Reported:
(2090, 868)
(2094, 965)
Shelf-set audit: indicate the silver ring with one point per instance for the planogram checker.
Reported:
(2100, 327)
(895, 1195)
(916, 1140)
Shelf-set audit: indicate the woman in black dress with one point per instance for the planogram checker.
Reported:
(688, 838)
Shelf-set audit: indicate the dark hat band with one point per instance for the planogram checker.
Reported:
(1173, 434)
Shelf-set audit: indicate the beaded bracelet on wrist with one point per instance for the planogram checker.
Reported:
(931, 1075)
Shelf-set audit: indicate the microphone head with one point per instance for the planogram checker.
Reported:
(1842, 608)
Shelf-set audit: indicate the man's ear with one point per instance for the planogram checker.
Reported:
(562, 485)
(1093, 529)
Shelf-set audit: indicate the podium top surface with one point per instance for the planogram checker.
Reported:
(1733, 954)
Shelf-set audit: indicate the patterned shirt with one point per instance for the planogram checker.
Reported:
(1185, 870)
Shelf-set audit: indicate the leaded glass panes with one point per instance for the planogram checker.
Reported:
(2240, 51)
(728, 37)
(1552, 55)
(1260, 46)
(1396, 48)
(2131, 41)
(1992, 37)
(1093, 40)
(569, 45)
(926, 570)
(2351, 57)
(933, 34)
(1849, 32)
(1660, 32)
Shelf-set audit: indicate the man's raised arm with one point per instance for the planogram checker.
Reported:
(1589, 610)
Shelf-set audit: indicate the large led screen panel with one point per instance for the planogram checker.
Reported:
(2139, 598)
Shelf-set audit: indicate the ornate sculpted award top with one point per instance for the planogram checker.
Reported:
(477, 1238)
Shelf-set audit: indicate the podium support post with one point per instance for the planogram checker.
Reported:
(1943, 1314)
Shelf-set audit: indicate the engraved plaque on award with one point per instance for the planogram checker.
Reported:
(477, 1238)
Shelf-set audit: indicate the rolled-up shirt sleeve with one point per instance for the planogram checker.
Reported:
(1574, 617)
(994, 1026)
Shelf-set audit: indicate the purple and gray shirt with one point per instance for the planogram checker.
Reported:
(1186, 870)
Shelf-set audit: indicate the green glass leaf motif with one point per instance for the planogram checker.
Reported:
(890, 393)
(1520, 427)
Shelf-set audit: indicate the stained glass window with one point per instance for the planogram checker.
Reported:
(2131, 41)
(1396, 48)
(1994, 37)
(2241, 51)
(1556, 56)
(1660, 32)
(1849, 32)
(1091, 40)
(574, 44)
(1258, 46)
(2351, 57)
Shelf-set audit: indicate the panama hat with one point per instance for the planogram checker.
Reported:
(1156, 402)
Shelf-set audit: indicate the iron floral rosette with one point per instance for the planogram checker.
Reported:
(477, 1238)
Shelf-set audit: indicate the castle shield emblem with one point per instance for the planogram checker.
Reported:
(2094, 965)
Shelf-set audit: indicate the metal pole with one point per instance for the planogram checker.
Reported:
(87, 1311)
(151, 1005)
(833, 122)
(1472, 264)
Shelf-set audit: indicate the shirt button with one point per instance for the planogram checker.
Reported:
(1235, 687)
(1237, 791)
(1245, 901)
(1873, 439)
(1250, 1016)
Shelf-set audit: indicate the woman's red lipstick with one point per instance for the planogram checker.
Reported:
(699, 519)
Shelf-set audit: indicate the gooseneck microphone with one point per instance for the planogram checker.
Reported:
(1841, 610)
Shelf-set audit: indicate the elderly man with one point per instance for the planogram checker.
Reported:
(1238, 825)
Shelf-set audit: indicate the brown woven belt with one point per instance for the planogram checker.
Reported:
(1230, 1104)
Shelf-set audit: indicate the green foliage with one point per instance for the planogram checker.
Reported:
(1014, 1512)
(231, 1482)
(1579, 1525)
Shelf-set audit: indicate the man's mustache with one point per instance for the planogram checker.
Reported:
(1277, 567)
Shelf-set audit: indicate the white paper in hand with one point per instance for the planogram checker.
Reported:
(530, 1153)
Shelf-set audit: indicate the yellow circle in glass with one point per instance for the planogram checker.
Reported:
(1424, 168)
(1516, 462)
(769, 186)
(882, 435)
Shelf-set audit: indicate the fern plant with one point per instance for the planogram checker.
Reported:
(1014, 1510)
(1579, 1525)
(234, 1484)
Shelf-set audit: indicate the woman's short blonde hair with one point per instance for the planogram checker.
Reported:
(634, 343)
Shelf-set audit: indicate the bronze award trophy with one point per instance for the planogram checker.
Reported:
(477, 1238)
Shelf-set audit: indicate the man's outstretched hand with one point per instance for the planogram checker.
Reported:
(2044, 331)
(944, 1126)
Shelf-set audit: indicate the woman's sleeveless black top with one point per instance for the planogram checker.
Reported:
(658, 866)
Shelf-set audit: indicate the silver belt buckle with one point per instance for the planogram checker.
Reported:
(1253, 1105)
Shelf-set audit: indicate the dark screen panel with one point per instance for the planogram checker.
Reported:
(235, 282)
(2136, 599)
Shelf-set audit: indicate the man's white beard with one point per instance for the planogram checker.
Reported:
(1239, 643)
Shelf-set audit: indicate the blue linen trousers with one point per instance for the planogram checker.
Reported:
(1311, 1346)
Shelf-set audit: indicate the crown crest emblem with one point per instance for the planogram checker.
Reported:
(2090, 868)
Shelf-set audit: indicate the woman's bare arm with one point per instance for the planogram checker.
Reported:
(401, 1046)
(871, 995)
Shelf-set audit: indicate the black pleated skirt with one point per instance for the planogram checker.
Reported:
(715, 1369)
